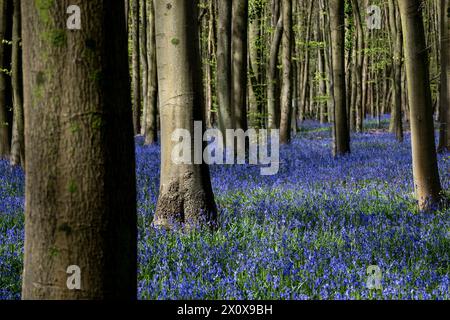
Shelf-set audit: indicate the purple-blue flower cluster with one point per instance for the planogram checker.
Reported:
(309, 232)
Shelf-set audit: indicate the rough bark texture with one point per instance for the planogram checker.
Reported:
(425, 169)
(151, 115)
(239, 62)
(185, 192)
(5, 14)
(18, 140)
(342, 135)
(226, 114)
(286, 92)
(444, 100)
(137, 93)
(80, 206)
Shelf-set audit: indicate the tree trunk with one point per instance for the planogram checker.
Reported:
(239, 62)
(185, 193)
(273, 101)
(144, 63)
(358, 105)
(226, 114)
(255, 59)
(151, 115)
(444, 98)
(286, 92)
(17, 142)
(80, 199)
(342, 135)
(5, 85)
(425, 169)
(396, 31)
(136, 67)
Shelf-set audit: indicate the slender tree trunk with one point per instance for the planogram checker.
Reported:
(304, 96)
(396, 31)
(151, 116)
(17, 143)
(359, 107)
(273, 102)
(342, 138)
(444, 98)
(136, 67)
(226, 114)
(5, 14)
(255, 59)
(239, 62)
(80, 199)
(144, 63)
(286, 92)
(425, 169)
(185, 193)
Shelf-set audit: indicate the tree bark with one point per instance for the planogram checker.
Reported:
(444, 98)
(5, 84)
(425, 169)
(17, 143)
(226, 114)
(144, 63)
(137, 94)
(396, 31)
(185, 193)
(80, 199)
(342, 135)
(239, 62)
(151, 115)
(286, 92)
(273, 101)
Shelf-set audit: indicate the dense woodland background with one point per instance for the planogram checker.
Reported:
(86, 115)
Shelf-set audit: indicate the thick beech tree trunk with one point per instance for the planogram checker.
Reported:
(80, 199)
(425, 168)
(185, 192)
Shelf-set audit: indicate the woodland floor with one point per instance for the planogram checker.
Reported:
(309, 232)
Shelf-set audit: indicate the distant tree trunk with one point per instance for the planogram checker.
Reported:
(358, 105)
(342, 135)
(305, 81)
(396, 31)
(151, 116)
(5, 14)
(17, 143)
(80, 199)
(255, 72)
(273, 101)
(136, 67)
(444, 99)
(286, 92)
(425, 169)
(144, 63)
(185, 193)
(239, 62)
(226, 114)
